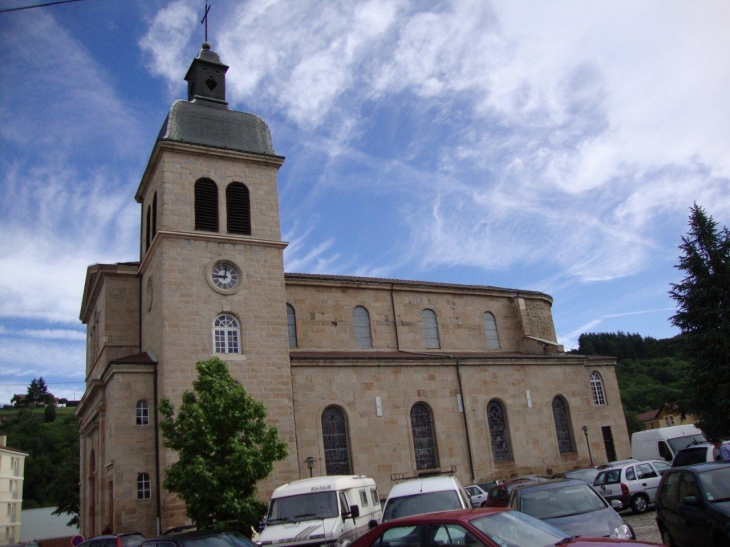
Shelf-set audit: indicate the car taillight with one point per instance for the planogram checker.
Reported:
(624, 490)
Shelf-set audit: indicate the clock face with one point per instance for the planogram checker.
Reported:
(224, 276)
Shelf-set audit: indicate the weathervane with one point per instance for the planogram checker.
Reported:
(204, 20)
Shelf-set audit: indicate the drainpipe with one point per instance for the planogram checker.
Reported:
(395, 319)
(466, 423)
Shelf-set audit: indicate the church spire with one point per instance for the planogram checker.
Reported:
(206, 77)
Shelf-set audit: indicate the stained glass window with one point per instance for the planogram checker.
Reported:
(498, 432)
(361, 322)
(336, 441)
(424, 437)
(430, 329)
(561, 415)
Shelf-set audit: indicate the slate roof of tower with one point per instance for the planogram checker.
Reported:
(202, 123)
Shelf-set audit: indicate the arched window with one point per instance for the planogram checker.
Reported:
(291, 321)
(226, 334)
(490, 330)
(430, 329)
(498, 432)
(335, 437)
(599, 396)
(206, 205)
(424, 437)
(143, 412)
(148, 229)
(154, 215)
(238, 209)
(361, 322)
(144, 486)
(563, 429)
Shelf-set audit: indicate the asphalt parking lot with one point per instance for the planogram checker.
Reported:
(644, 525)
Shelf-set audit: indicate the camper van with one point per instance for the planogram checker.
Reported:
(311, 512)
(663, 443)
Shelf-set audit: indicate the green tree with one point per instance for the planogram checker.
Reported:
(703, 315)
(224, 448)
(37, 391)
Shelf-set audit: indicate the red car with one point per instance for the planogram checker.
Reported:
(479, 527)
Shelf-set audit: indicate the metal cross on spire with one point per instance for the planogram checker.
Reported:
(204, 20)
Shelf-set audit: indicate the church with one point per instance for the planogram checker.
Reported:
(362, 376)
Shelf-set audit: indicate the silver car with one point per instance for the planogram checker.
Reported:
(633, 484)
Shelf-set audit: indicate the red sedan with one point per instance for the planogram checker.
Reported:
(480, 527)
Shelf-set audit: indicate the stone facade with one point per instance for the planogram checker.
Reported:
(149, 322)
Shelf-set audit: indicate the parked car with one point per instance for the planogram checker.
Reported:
(693, 505)
(573, 506)
(477, 494)
(198, 538)
(633, 484)
(487, 486)
(587, 474)
(128, 539)
(499, 495)
(425, 495)
(617, 463)
(696, 453)
(482, 527)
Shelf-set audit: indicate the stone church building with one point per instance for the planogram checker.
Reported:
(360, 375)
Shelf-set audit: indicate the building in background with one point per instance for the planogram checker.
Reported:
(12, 467)
(666, 415)
(360, 375)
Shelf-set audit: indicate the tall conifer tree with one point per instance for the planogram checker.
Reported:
(703, 315)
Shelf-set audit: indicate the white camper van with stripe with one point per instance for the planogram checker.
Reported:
(332, 511)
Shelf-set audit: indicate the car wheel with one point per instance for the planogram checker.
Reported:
(639, 504)
(484, 504)
(666, 538)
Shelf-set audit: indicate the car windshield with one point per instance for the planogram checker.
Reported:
(716, 483)
(549, 503)
(219, 540)
(518, 530)
(418, 504)
(678, 443)
(130, 540)
(317, 505)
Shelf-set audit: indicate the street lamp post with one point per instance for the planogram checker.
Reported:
(585, 432)
(310, 464)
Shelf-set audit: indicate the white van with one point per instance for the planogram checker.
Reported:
(311, 512)
(419, 495)
(663, 443)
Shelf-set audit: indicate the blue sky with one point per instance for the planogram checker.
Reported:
(551, 146)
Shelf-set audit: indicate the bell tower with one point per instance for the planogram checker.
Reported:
(211, 259)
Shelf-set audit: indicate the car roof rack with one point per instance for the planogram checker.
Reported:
(400, 477)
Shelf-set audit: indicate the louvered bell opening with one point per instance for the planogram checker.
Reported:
(206, 206)
(239, 209)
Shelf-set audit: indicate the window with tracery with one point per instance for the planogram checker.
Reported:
(144, 486)
(498, 432)
(599, 396)
(430, 329)
(424, 437)
(563, 428)
(490, 330)
(226, 334)
(291, 322)
(335, 437)
(143, 412)
(361, 323)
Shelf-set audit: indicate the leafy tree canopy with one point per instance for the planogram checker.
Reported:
(703, 315)
(38, 392)
(224, 446)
